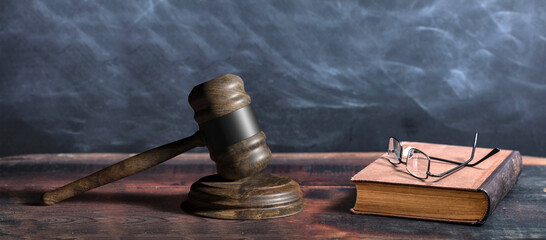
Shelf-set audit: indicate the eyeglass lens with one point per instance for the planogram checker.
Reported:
(394, 151)
(417, 163)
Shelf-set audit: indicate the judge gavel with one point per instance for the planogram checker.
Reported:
(227, 126)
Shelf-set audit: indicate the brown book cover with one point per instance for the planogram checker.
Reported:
(466, 196)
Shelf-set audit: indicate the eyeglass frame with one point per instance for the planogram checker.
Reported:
(428, 173)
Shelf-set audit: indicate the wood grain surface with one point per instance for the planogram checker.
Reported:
(218, 97)
(147, 205)
(127, 167)
(262, 196)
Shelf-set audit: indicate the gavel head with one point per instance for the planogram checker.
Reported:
(229, 127)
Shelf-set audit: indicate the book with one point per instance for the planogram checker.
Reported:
(467, 196)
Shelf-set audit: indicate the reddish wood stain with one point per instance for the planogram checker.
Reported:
(147, 205)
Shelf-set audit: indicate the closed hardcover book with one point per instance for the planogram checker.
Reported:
(468, 195)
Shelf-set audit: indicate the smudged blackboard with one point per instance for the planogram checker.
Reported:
(114, 76)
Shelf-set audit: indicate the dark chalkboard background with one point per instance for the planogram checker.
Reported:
(114, 76)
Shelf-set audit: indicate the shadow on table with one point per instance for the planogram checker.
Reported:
(344, 203)
(157, 201)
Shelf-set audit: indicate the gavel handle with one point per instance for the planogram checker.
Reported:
(127, 167)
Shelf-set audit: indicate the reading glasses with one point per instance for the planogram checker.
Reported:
(418, 163)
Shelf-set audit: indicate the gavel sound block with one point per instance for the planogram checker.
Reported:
(229, 129)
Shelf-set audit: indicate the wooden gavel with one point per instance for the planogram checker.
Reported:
(227, 126)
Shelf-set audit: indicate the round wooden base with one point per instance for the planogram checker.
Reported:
(261, 196)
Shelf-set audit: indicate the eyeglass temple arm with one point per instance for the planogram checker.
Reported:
(493, 152)
(444, 160)
(462, 164)
(471, 156)
(466, 162)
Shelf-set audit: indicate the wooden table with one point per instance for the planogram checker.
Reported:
(147, 205)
